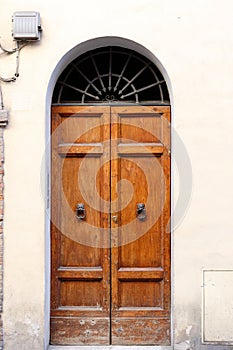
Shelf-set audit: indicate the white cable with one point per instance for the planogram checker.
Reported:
(8, 51)
(1, 98)
(8, 80)
(17, 60)
(17, 49)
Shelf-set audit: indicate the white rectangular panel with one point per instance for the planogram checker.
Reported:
(217, 318)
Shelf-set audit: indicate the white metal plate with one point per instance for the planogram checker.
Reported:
(217, 310)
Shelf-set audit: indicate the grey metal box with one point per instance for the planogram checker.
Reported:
(26, 25)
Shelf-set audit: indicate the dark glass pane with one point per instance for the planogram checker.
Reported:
(111, 73)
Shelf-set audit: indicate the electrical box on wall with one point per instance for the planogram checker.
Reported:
(26, 25)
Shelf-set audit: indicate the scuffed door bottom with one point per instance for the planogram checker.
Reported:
(110, 347)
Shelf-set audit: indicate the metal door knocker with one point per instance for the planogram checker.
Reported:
(80, 211)
(141, 212)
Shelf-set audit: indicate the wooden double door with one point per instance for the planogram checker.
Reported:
(110, 237)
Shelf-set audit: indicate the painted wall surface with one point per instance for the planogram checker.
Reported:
(194, 42)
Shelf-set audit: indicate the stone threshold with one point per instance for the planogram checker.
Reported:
(109, 347)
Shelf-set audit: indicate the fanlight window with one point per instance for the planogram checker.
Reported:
(108, 75)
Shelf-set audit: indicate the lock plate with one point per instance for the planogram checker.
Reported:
(115, 219)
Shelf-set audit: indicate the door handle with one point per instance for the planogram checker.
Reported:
(141, 212)
(80, 211)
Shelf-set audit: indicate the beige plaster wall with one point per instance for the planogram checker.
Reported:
(194, 42)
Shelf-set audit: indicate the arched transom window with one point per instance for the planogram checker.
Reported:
(111, 74)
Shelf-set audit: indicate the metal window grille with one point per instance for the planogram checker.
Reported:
(109, 75)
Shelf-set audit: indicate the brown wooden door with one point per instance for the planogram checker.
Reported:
(110, 276)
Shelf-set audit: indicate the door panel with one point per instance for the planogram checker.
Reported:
(80, 291)
(141, 253)
(111, 271)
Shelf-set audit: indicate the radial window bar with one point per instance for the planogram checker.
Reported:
(111, 75)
